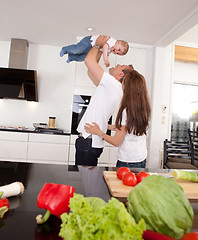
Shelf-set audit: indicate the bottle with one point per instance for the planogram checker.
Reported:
(52, 122)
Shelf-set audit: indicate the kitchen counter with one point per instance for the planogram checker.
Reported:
(20, 223)
(32, 130)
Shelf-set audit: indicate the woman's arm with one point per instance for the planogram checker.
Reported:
(115, 140)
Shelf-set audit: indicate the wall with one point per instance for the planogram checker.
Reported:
(57, 81)
(55, 89)
(161, 104)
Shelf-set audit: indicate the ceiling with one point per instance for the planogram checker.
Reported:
(58, 23)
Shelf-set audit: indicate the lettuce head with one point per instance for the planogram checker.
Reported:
(161, 202)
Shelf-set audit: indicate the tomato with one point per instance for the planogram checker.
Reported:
(141, 175)
(129, 179)
(190, 236)
(121, 171)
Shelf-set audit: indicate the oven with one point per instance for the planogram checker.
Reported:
(80, 103)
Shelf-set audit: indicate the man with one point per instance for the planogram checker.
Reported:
(103, 103)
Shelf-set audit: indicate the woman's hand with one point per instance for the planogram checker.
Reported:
(111, 127)
(93, 129)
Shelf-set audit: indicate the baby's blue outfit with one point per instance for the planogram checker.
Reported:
(77, 52)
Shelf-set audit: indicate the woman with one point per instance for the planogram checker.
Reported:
(131, 123)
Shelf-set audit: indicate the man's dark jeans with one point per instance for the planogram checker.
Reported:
(85, 153)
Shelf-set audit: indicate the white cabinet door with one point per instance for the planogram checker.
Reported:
(48, 153)
(82, 80)
(49, 138)
(104, 157)
(13, 146)
(113, 156)
(142, 59)
(45, 148)
(72, 152)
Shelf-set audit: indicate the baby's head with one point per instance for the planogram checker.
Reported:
(120, 48)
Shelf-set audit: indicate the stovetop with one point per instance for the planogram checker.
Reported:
(48, 130)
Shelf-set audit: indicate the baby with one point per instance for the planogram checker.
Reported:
(77, 52)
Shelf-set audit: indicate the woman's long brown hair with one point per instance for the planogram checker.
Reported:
(136, 102)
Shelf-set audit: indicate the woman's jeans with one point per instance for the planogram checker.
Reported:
(85, 154)
(77, 52)
(131, 165)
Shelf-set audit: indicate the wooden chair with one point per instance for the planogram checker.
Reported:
(178, 155)
(193, 137)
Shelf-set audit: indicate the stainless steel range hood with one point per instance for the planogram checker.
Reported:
(18, 53)
(18, 57)
(17, 81)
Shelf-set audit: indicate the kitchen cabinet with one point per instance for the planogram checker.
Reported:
(113, 156)
(13, 146)
(141, 57)
(45, 148)
(34, 147)
(82, 81)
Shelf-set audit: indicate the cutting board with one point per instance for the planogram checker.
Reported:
(119, 190)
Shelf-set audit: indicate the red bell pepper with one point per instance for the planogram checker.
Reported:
(151, 235)
(54, 198)
(4, 205)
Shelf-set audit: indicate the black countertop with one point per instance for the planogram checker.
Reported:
(55, 131)
(19, 222)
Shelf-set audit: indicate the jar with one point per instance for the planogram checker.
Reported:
(52, 122)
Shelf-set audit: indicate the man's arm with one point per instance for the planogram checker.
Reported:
(92, 76)
(95, 71)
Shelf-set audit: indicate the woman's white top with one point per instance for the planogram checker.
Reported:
(133, 148)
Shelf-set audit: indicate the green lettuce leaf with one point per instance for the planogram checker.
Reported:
(92, 218)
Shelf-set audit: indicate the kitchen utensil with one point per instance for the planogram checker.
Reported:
(40, 125)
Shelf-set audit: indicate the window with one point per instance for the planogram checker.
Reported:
(184, 111)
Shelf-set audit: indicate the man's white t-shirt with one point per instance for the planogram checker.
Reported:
(133, 148)
(105, 100)
(111, 42)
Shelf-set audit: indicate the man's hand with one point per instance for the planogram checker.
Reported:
(101, 40)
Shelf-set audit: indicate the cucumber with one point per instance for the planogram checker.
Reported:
(185, 175)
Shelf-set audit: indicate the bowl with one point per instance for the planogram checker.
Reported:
(40, 125)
